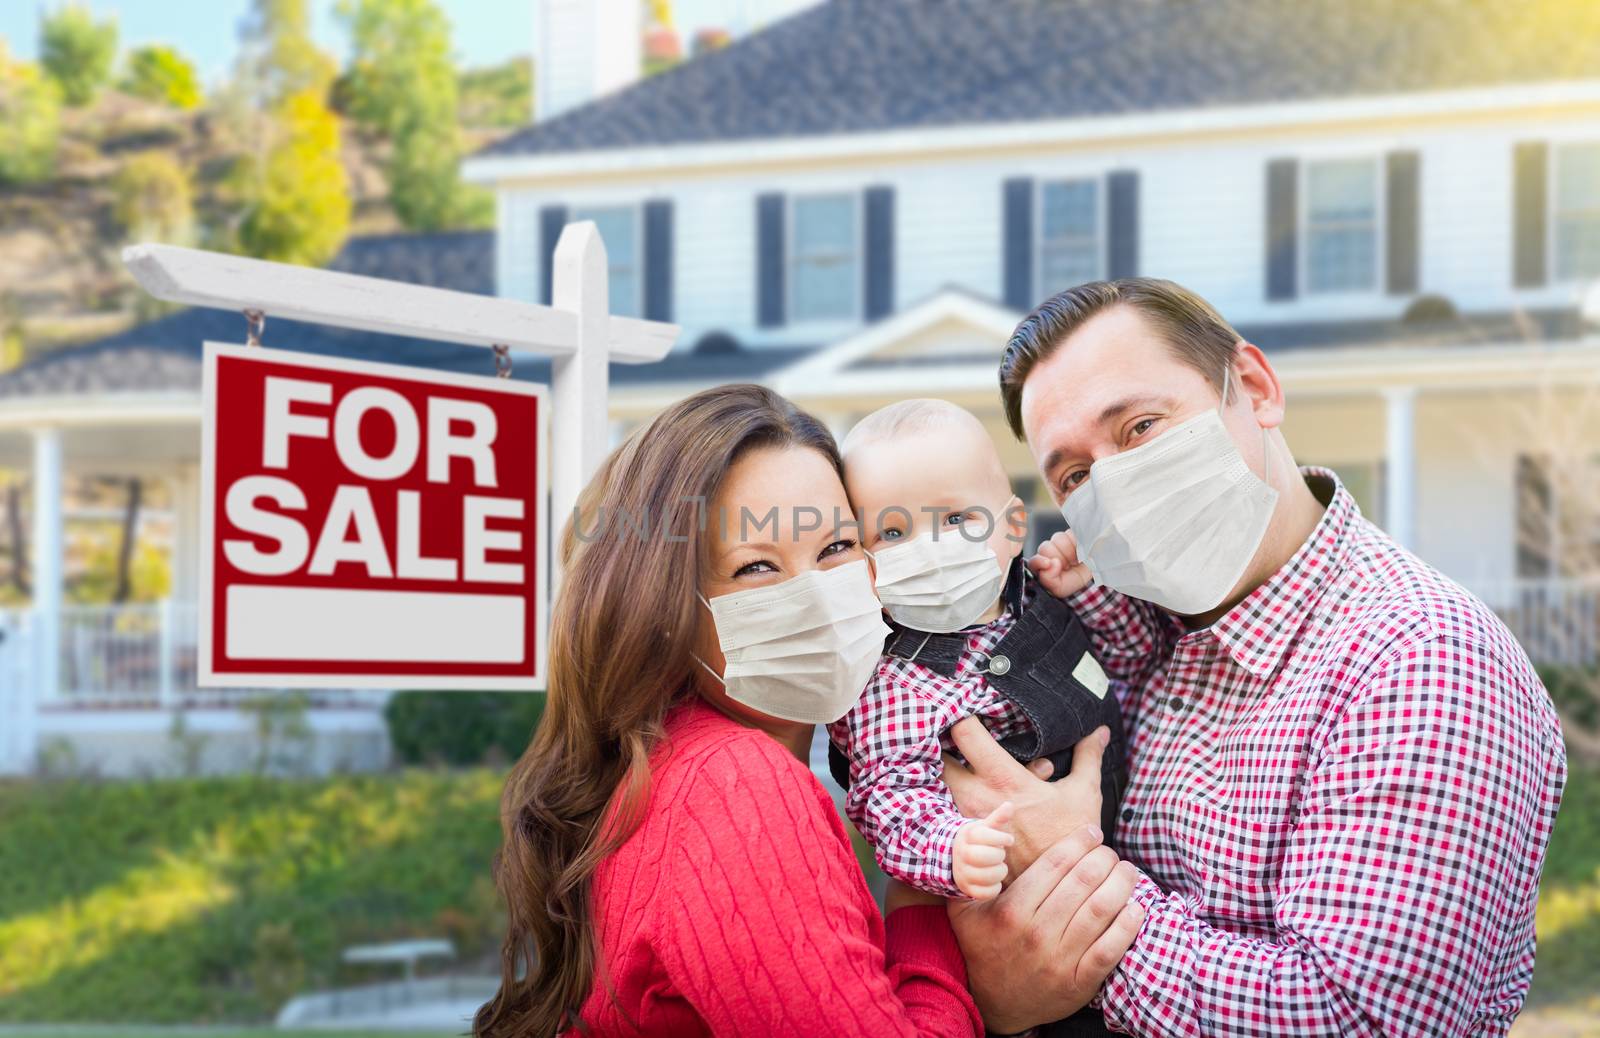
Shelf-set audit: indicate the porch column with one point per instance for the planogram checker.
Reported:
(47, 561)
(1400, 460)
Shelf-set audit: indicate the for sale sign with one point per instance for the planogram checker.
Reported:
(369, 525)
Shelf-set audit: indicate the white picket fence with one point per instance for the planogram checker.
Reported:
(1557, 620)
(16, 698)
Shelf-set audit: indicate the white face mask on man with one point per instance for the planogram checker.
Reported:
(802, 650)
(939, 582)
(1174, 521)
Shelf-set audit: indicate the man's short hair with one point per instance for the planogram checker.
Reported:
(1194, 331)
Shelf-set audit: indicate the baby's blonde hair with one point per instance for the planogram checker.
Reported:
(909, 416)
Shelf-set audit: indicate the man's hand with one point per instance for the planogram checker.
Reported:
(1043, 948)
(1044, 811)
(1058, 568)
(980, 854)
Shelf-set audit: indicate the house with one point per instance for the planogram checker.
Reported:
(1399, 200)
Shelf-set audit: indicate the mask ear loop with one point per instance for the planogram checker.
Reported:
(1266, 448)
(696, 655)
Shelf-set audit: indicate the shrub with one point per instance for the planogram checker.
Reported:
(77, 51)
(30, 121)
(462, 728)
(159, 73)
(151, 198)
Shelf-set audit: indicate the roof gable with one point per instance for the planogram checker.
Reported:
(858, 66)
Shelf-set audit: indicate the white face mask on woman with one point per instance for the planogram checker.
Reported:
(1174, 521)
(802, 650)
(942, 581)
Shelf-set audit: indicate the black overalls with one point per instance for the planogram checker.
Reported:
(1033, 666)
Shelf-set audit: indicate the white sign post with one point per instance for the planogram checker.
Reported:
(578, 333)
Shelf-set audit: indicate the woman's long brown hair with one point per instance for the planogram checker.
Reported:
(620, 638)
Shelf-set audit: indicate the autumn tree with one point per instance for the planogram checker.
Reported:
(77, 51)
(159, 73)
(402, 85)
(299, 209)
(30, 121)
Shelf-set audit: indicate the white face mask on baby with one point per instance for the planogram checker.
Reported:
(940, 582)
(802, 650)
(1174, 521)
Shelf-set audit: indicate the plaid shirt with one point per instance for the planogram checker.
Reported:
(894, 738)
(1340, 798)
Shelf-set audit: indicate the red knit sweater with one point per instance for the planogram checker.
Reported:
(737, 908)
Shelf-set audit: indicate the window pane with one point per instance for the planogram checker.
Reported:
(618, 227)
(824, 267)
(1070, 209)
(1066, 264)
(624, 291)
(824, 224)
(1342, 226)
(1578, 212)
(824, 289)
(1578, 177)
(1345, 190)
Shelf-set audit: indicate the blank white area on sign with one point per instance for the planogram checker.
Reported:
(314, 623)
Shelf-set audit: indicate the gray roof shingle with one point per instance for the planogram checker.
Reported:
(857, 66)
(164, 355)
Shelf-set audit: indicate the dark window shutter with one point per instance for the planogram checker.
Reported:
(769, 260)
(1530, 216)
(1404, 206)
(552, 219)
(658, 260)
(1018, 288)
(1283, 216)
(1122, 219)
(878, 273)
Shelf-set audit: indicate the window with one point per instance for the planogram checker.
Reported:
(619, 229)
(825, 258)
(1577, 212)
(1069, 235)
(1341, 217)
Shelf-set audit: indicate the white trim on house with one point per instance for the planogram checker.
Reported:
(1085, 131)
(1380, 226)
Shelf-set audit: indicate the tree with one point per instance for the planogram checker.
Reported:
(299, 199)
(277, 55)
(402, 86)
(160, 73)
(498, 95)
(151, 198)
(30, 121)
(77, 51)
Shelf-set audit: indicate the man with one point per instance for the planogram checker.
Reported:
(1344, 769)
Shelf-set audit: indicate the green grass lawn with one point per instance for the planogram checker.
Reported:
(209, 902)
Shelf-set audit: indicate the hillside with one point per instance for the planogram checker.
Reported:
(60, 277)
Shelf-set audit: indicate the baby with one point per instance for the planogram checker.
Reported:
(973, 635)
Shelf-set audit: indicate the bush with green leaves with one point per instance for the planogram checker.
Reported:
(159, 73)
(462, 728)
(213, 900)
(30, 121)
(77, 51)
(152, 198)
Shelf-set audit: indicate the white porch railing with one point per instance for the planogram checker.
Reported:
(141, 652)
(1556, 620)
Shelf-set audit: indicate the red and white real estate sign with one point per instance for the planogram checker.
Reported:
(370, 525)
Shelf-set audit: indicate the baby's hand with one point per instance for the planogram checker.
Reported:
(980, 853)
(1058, 568)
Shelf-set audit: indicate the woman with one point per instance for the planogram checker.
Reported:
(670, 864)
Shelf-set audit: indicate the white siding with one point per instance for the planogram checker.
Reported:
(1202, 210)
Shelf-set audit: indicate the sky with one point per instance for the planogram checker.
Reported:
(486, 31)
